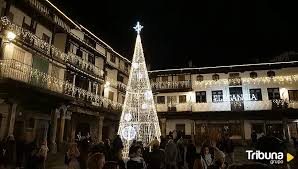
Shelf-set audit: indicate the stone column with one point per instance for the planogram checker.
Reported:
(61, 129)
(163, 127)
(11, 119)
(73, 84)
(286, 130)
(192, 131)
(53, 145)
(73, 129)
(100, 126)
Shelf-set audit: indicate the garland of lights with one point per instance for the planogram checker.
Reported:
(206, 83)
(139, 119)
(32, 38)
(19, 71)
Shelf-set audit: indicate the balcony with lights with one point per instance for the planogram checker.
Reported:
(26, 75)
(32, 42)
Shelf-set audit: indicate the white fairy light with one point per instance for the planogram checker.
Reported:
(129, 133)
(127, 117)
(144, 124)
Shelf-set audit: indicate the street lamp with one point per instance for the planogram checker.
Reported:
(10, 36)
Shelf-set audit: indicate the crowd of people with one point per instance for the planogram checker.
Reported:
(21, 154)
(170, 153)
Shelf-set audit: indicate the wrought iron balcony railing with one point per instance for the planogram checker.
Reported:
(13, 69)
(49, 50)
(121, 86)
(171, 85)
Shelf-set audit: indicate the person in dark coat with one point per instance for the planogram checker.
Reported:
(117, 143)
(20, 149)
(118, 158)
(229, 149)
(107, 150)
(190, 154)
(254, 138)
(84, 150)
(156, 158)
(135, 159)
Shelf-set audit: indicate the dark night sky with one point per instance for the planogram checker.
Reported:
(213, 32)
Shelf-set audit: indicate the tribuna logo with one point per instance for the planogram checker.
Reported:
(258, 155)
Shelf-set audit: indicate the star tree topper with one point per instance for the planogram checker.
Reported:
(138, 28)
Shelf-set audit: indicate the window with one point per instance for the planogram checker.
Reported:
(201, 97)
(79, 53)
(215, 77)
(273, 93)
(253, 75)
(181, 78)
(171, 99)
(113, 58)
(164, 78)
(91, 59)
(45, 38)
(18, 55)
(255, 94)
(293, 95)
(234, 75)
(217, 96)
(161, 100)
(200, 78)
(120, 78)
(271, 73)
(123, 99)
(111, 95)
(25, 25)
(182, 99)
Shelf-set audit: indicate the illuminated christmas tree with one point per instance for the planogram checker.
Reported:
(139, 119)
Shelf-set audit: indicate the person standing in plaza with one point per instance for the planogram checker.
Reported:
(229, 149)
(72, 156)
(96, 161)
(156, 158)
(190, 154)
(253, 138)
(42, 154)
(135, 158)
(171, 153)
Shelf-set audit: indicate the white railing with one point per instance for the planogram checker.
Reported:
(121, 86)
(25, 73)
(40, 7)
(248, 105)
(171, 85)
(49, 49)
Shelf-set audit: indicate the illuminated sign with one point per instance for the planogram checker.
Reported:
(235, 97)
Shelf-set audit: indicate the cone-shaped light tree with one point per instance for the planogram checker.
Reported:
(139, 119)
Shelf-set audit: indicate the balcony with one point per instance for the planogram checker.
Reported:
(32, 41)
(84, 65)
(172, 86)
(15, 70)
(179, 107)
(121, 87)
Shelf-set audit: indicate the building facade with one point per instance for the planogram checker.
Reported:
(58, 80)
(207, 102)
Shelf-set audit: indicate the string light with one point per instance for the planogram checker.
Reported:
(71, 58)
(139, 119)
(22, 72)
